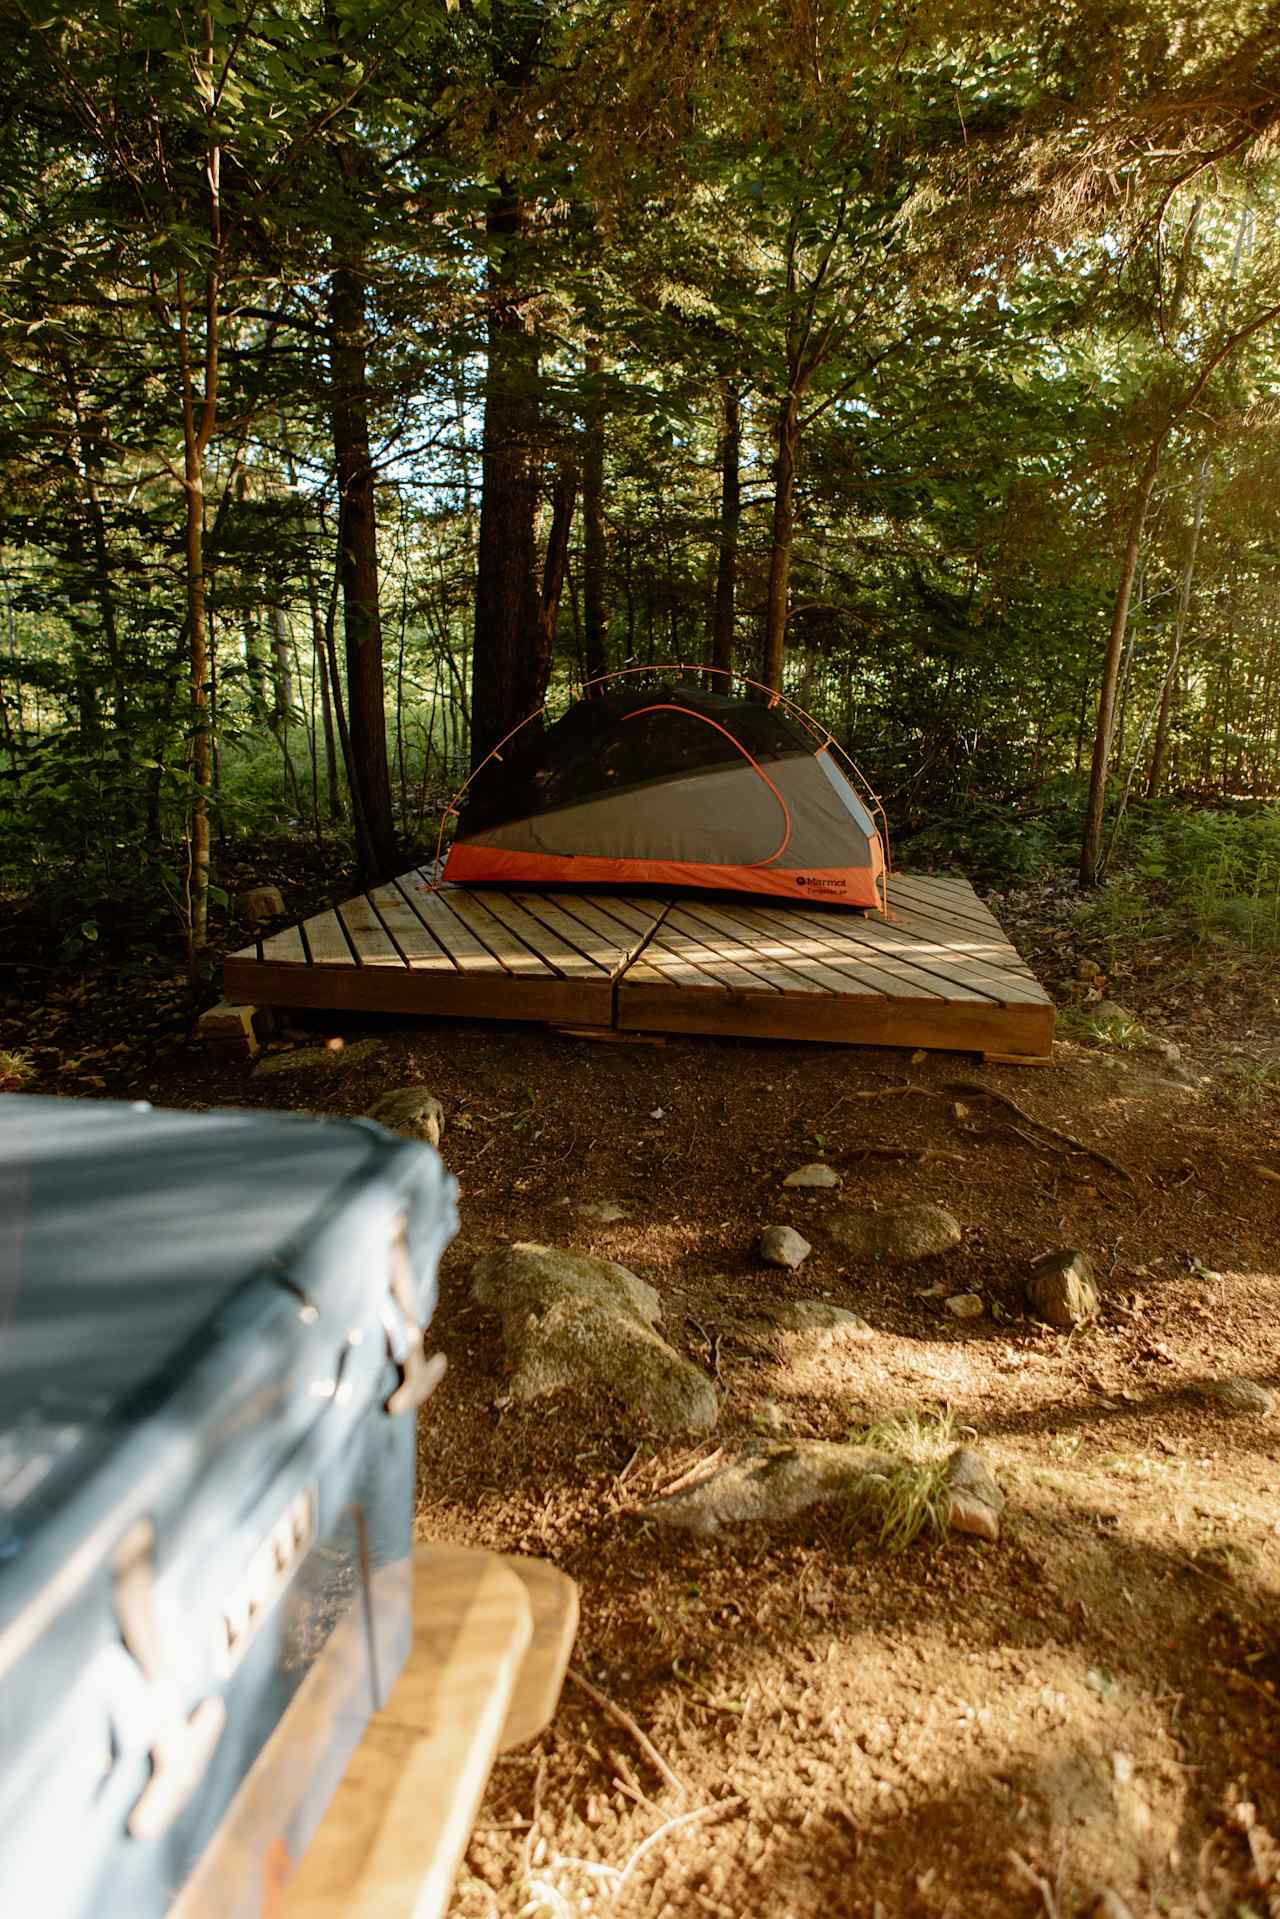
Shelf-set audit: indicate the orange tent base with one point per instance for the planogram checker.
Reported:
(470, 864)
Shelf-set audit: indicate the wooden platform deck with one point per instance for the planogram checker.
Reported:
(937, 972)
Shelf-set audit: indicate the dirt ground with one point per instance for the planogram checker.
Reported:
(1092, 1703)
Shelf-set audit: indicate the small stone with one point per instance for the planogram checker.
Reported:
(783, 1246)
(1240, 1395)
(813, 1175)
(965, 1306)
(899, 1232)
(976, 1500)
(1061, 1291)
(1109, 1905)
(768, 1417)
(306, 1058)
(410, 1110)
(603, 1211)
(260, 903)
(1110, 1009)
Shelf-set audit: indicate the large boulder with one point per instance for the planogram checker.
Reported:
(898, 1232)
(571, 1322)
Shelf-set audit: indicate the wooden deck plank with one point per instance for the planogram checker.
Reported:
(326, 942)
(472, 912)
(861, 938)
(603, 941)
(854, 967)
(978, 949)
(758, 952)
(916, 910)
(637, 912)
(461, 995)
(469, 954)
(409, 932)
(959, 1026)
(542, 939)
(281, 949)
(682, 937)
(367, 934)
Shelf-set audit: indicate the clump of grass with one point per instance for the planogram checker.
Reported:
(16, 1071)
(911, 1499)
(1257, 1079)
(1102, 1029)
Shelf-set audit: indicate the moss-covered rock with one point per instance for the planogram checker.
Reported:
(899, 1232)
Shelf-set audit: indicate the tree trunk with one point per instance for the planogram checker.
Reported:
(196, 430)
(1092, 844)
(367, 769)
(1168, 692)
(730, 462)
(784, 504)
(505, 665)
(555, 566)
(594, 616)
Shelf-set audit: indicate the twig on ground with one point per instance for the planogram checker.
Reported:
(539, 1779)
(672, 1825)
(621, 1478)
(1033, 1878)
(687, 1477)
(1247, 1679)
(974, 1091)
(628, 1724)
(921, 1154)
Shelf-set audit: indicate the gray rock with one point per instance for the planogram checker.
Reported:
(815, 1174)
(603, 1211)
(965, 1306)
(580, 1345)
(813, 1323)
(526, 1278)
(410, 1110)
(1060, 1289)
(260, 903)
(899, 1232)
(976, 1502)
(1111, 1009)
(768, 1483)
(783, 1246)
(577, 1323)
(1240, 1395)
(323, 1059)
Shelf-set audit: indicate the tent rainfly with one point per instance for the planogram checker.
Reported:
(671, 788)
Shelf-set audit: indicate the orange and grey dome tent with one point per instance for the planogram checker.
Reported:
(673, 787)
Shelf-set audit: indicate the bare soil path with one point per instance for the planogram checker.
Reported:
(1094, 1702)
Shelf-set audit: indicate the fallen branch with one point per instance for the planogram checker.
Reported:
(974, 1091)
(628, 1724)
(921, 1154)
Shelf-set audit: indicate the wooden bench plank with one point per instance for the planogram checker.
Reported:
(394, 1835)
